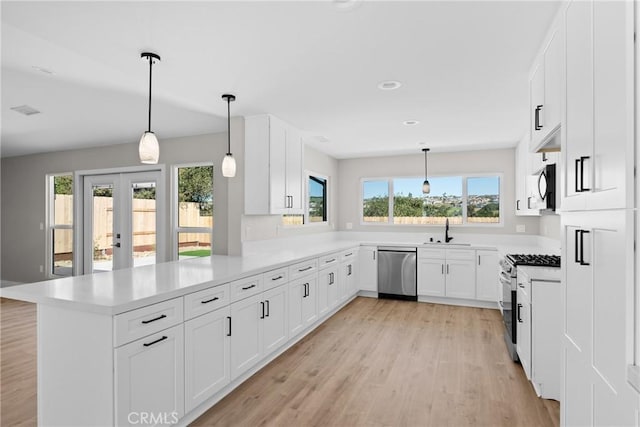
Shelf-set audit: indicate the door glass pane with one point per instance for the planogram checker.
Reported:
(375, 201)
(62, 252)
(195, 196)
(192, 245)
(102, 233)
(143, 223)
(483, 200)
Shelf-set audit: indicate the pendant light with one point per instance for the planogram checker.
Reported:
(229, 163)
(426, 187)
(148, 148)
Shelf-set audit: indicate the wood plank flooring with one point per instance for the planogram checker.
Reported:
(392, 363)
(376, 362)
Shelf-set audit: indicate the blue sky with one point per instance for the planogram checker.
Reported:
(439, 185)
(315, 189)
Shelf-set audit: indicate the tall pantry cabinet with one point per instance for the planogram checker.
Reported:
(597, 182)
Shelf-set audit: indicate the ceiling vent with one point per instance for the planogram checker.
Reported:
(26, 110)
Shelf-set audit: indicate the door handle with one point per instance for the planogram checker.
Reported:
(229, 320)
(268, 310)
(162, 316)
(538, 126)
(582, 159)
(529, 202)
(209, 300)
(447, 268)
(576, 239)
(442, 265)
(147, 344)
(578, 161)
(262, 308)
(116, 245)
(518, 313)
(518, 204)
(582, 233)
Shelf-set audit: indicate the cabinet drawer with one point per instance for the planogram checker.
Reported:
(205, 301)
(349, 254)
(144, 321)
(431, 253)
(275, 278)
(303, 268)
(462, 254)
(244, 288)
(328, 260)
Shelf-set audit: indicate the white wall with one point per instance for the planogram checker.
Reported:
(351, 171)
(260, 227)
(550, 226)
(23, 186)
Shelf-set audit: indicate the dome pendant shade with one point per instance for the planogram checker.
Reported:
(148, 149)
(426, 187)
(229, 166)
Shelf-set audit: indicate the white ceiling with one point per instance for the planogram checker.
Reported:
(463, 66)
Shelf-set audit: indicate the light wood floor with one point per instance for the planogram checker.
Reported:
(376, 362)
(392, 363)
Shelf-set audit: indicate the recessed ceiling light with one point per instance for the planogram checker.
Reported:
(42, 70)
(422, 144)
(346, 4)
(26, 110)
(389, 85)
(410, 122)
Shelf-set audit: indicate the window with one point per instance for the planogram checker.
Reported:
(194, 211)
(463, 200)
(60, 224)
(317, 207)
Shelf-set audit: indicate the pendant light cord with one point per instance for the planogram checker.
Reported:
(228, 126)
(150, 74)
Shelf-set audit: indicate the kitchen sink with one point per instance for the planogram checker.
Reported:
(449, 245)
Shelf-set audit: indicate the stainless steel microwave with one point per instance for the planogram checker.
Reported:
(547, 188)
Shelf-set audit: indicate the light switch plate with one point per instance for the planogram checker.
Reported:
(349, 226)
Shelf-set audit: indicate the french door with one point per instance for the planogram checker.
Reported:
(123, 224)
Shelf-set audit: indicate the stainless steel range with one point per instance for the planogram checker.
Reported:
(509, 280)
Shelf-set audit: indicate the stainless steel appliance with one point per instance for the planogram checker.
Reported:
(509, 282)
(547, 188)
(397, 273)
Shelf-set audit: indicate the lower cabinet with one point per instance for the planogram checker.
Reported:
(275, 321)
(327, 290)
(486, 275)
(149, 378)
(348, 278)
(523, 330)
(303, 299)
(246, 337)
(431, 276)
(207, 358)
(447, 273)
(368, 268)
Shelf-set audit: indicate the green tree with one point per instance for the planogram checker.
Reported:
(376, 206)
(195, 184)
(407, 206)
(63, 184)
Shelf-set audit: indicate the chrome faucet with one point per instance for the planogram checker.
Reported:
(447, 239)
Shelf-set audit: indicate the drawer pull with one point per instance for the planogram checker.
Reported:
(305, 269)
(276, 278)
(249, 287)
(349, 254)
(162, 316)
(147, 344)
(210, 300)
(330, 260)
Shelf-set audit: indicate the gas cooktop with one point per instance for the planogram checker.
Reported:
(534, 260)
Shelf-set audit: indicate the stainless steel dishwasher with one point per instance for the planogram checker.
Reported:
(397, 273)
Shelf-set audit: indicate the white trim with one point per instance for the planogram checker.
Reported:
(464, 197)
(175, 228)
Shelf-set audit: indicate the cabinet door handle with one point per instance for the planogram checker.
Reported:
(209, 300)
(330, 278)
(582, 233)
(262, 309)
(276, 278)
(576, 239)
(304, 292)
(538, 126)
(249, 287)
(147, 344)
(291, 204)
(162, 316)
(528, 202)
(447, 268)
(349, 254)
(478, 259)
(268, 311)
(518, 313)
(577, 177)
(330, 260)
(349, 270)
(305, 269)
(229, 320)
(518, 204)
(442, 265)
(582, 187)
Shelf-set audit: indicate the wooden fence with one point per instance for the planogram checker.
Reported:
(143, 223)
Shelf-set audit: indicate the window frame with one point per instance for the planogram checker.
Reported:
(51, 226)
(175, 228)
(308, 175)
(465, 195)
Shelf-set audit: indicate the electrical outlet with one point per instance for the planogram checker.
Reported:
(41, 226)
(520, 228)
(42, 269)
(348, 226)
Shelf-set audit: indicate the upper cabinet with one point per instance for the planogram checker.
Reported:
(545, 87)
(597, 141)
(273, 167)
(525, 184)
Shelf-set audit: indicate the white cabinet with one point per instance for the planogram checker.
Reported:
(597, 264)
(207, 363)
(246, 336)
(523, 327)
(150, 376)
(275, 318)
(447, 272)
(348, 280)
(597, 145)
(368, 268)
(303, 303)
(273, 166)
(545, 87)
(487, 275)
(546, 338)
(524, 182)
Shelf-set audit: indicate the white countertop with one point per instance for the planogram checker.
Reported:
(119, 291)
